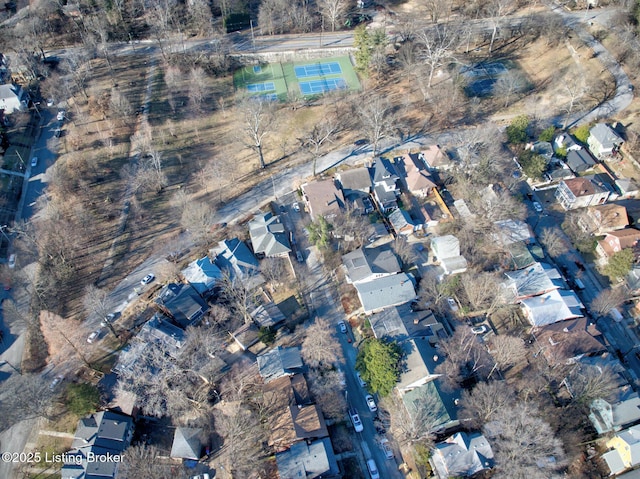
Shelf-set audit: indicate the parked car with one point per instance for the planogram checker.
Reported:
(148, 278)
(355, 419)
(57, 380)
(93, 336)
(296, 206)
(50, 102)
(386, 447)
(299, 257)
(57, 133)
(452, 304)
(201, 476)
(371, 403)
(360, 380)
(61, 115)
(108, 319)
(12, 261)
(34, 161)
(537, 206)
(482, 329)
(373, 469)
(343, 327)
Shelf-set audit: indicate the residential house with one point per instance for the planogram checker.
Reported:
(104, 432)
(385, 184)
(534, 280)
(565, 141)
(163, 334)
(625, 450)
(182, 304)
(429, 403)
(419, 365)
(268, 236)
(386, 292)
(246, 335)
(569, 341)
(367, 264)
(356, 186)
(628, 188)
(279, 362)
(603, 140)
(602, 219)
(446, 250)
(580, 161)
(435, 158)
(609, 415)
(401, 222)
(294, 418)
(235, 257)
(542, 148)
(202, 274)
(313, 460)
(633, 281)
(402, 322)
(521, 255)
(187, 443)
(322, 199)
(462, 455)
(267, 315)
(13, 98)
(414, 174)
(556, 305)
(616, 241)
(581, 192)
(513, 231)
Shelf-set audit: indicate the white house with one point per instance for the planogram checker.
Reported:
(13, 98)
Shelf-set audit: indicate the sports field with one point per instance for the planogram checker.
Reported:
(309, 78)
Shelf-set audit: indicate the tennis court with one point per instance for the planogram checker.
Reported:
(320, 86)
(260, 87)
(317, 69)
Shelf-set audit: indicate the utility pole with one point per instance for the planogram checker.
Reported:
(253, 38)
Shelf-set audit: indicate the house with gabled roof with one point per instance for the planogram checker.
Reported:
(552, 307)
(366, 264)
(614, 414)
(187, 443)
(616, 241)
(202, 274)
(602, 219)
(569, 341)
(356, 186)
(268, 236)
(534, 280)
(603, 140)
(322, 198)
(267, 315)
(235, 257)
(446, 250)
(435, 158)
(104, 432)
(624, 450)
(401, 222)
(462, 455)
(13, 98)
(182, 304)
(385, 184)
(581, 192)
(162, 334)
(580, 160)
(279, 362)
(414, 174)
(386, 292)
(513, 231)
(313, 460)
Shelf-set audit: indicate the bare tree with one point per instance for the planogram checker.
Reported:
(352, 226)
(607, 299)
(241, 297)
(322, 132)
(555, 242)
(318, 347)
(197, 218)
(96, 301)
(274, 270)
(576, 90)
(420, 424)
(256, 122)
(509, 85)
(507, 350)
(333, 11)
(377, 119)
(437, 47)
(465, 357)
(482, 289)
(142, 461)
(25, 396)
(587, 383)
(326, 388)
(480, 405)
(497, 11)
(438, 9)
(524, 445)
(197, 88)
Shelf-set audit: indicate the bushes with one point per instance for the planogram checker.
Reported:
(582, 133)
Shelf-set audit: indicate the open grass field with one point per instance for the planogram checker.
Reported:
(282, 81)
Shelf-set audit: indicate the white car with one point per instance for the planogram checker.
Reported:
(371, 403)
(373, 469)
(482, 329)
(537, 206)
(386, 447)
(201, 476)
(355, 419)
(342, 326)
(452, 304)
(34, 161)
(61, 115)
(93, 336)
(360, 380)
(147, 279)
(57, 380)
(12, 261)
(296, 206)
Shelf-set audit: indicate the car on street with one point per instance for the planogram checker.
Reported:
(482, 329)
(371, 403)
(386, 448)
(61, 115)
(537, 206)
(57, 380)
(93, 336)
(201, 476)
(452, 304)
(147, 279)
(299, 256)
(355, 419)
(12, 261)
(108, 319)
(34, 161)
(296, 206)
(360, 380)
(373, 469)
(343, 326)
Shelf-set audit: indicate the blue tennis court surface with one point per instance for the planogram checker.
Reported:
(257, 69)
(317, 69)
(321, 86)
(259, 87)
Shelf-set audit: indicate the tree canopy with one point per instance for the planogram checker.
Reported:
(517, 130)
(379, 365)
(619, 264)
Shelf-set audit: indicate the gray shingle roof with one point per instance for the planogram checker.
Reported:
(310, 461)
(268, 235)
(605, 135)
(580, 160)
(186, 443)
(386, 292)
(279, 362)
(367, 263)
